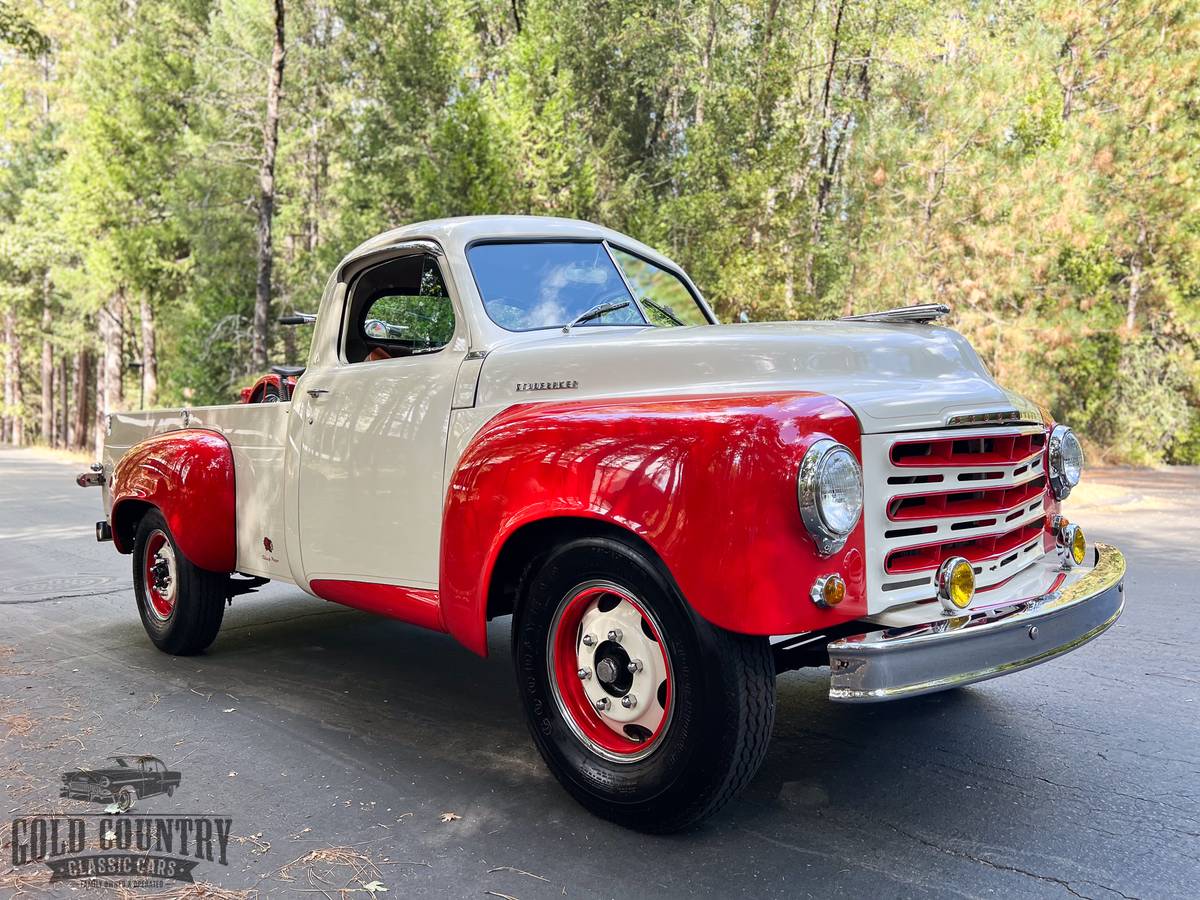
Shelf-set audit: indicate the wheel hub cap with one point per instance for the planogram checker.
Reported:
(623, 711)
(160, 575)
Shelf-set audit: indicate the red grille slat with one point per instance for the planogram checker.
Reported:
(984, 501)
(975, 549)
(989, 450)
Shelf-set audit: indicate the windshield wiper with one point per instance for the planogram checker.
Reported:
(600, 309)
(665, 310)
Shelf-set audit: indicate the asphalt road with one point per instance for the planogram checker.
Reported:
(315, 727)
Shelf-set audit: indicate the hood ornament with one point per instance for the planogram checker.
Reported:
(921, 314)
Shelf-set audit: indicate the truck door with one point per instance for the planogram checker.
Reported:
(373, 430)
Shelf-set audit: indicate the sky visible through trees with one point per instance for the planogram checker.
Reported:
(174, 175)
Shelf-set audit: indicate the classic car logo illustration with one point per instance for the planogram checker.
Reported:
(117, 848)
(121, 781)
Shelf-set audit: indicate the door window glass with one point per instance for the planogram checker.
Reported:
(666, 298)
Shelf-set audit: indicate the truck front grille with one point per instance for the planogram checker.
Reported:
(979, 493)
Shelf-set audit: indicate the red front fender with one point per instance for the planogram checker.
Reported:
(188, 476)
(708, 482)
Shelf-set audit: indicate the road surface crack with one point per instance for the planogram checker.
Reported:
(121, 590)
(1003, 867)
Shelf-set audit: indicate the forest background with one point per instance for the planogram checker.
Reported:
(175, 174)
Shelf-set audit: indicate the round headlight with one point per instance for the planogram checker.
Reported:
(1066, 460)
(830, 490)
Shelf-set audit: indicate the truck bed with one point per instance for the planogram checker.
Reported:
(257, 434)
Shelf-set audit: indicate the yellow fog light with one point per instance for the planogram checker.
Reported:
(828, 591)
(956, 584)
(1072, 546)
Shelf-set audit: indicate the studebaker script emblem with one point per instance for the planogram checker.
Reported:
(547, 385)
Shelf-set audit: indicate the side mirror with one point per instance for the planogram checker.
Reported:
(297, 319)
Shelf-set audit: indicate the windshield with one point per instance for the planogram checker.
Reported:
(549, 284)
(120, 761)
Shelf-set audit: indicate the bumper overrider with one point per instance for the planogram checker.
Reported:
(950, 652)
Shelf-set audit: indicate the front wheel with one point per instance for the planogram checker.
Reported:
(648, 715)
(126, 798)
(181, 605)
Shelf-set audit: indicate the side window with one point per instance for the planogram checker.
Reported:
(667, 299)
(399, 308)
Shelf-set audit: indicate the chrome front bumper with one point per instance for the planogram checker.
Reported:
(934, 656)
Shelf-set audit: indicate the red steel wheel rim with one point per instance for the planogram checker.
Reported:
(652, 684)
(159, 553)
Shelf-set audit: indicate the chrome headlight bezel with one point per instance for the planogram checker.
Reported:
(1061, 481)
(813, 467)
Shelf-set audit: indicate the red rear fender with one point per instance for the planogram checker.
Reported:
(709, 483)
(188, 476)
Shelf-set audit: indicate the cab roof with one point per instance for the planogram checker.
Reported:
(457, 234)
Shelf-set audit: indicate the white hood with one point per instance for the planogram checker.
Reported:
(895, 377)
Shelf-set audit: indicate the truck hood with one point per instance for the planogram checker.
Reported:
(895, 377)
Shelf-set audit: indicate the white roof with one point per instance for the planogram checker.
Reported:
(457, 233)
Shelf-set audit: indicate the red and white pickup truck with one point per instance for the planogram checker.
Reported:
(542, 418)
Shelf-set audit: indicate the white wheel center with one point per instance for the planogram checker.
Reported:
(644, 672)
(168, 556)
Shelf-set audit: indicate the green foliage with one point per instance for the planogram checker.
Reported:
(1039, 123)
(19, 33)
(1091, 270)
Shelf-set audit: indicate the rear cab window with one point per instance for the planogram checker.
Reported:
(398, 308)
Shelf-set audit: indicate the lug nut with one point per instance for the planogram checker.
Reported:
(602, 704)
(615, 635)
(585, 673)
(589, 639)
(635, 666)
(629, 701)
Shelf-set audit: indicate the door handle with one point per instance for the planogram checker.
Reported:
(317, 392)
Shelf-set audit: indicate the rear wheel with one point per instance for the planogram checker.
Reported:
(649, 715)
(181, 605)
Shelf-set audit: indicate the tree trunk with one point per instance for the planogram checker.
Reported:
(77, 434)
(266, 198)
(149, 355)
(706, 61)
(6, 421)
(60, 384)
(110, 388)
(47, 366)
(16, 435)
(1135, 279)
(289, 304)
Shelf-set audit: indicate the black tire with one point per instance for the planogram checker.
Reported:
(126, 798)
(198, 604)
(721, 705)
(271, 394)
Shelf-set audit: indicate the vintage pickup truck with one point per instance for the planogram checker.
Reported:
(542, 418)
